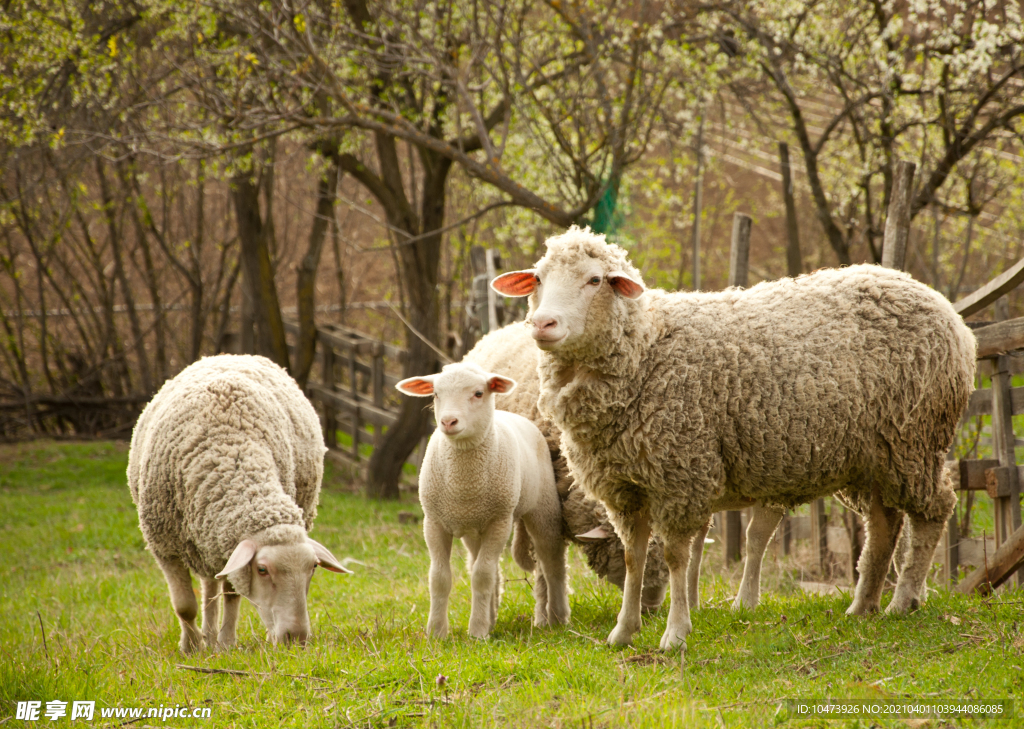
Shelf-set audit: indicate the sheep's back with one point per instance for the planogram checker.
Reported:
(808, 384)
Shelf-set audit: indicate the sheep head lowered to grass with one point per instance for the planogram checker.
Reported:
(225, 469)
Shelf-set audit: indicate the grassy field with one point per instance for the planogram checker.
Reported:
(85, 615)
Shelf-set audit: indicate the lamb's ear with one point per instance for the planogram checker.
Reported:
(325, 559)
(242, 556)
(515, 283)
(624, 285)
(500, 385)
(417, 386)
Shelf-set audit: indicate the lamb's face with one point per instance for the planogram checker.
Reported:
(278, 577)
(463, 398)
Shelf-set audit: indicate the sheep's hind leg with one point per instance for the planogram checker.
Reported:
(549, 547)
(763, 523)
(635, 531)
(179, 580)
(677, 555)
(883, 529)
(211, 600)
(693, 571)
(924, 535)
(486, 579)
(439, 545)
(232, 603)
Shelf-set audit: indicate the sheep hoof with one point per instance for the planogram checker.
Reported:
(620, 636)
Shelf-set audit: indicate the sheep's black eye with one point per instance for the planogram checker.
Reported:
(261, 570)
(595, 280)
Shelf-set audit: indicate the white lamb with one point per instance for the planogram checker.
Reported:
(225, 469)
(483, 472)
(670, 405)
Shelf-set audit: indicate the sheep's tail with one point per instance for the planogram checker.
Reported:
(522, 548)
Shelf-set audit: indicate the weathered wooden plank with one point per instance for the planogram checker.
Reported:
(972, 473)
(999, 338)
(992, 291)
(361, 409)
(1001, 567)
(897, 219)
(981, 402)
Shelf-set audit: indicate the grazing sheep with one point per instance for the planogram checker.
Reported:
(511, 351)
(225, 468)
(672, 404)
(483, 472)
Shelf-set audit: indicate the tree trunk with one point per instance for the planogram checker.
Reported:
(420, 262)
(257, 270)
(306, 349)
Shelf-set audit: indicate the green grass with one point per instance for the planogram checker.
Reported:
(75, 568)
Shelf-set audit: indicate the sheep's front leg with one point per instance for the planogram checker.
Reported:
(211, 597)
(763, 523)
(439, 544)
(179, 580)
(232, 603)
(677, 556)
(485, 578)
(635, 531)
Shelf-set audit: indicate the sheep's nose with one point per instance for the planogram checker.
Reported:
(543, 323)
(295, 636)
(449, 423)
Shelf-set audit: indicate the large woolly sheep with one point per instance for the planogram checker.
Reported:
(225, 469)
(484, 472)
(511, 351)
(671, 404)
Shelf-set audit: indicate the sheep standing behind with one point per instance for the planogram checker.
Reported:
(671, 404)
(484, 472)
(225, 468)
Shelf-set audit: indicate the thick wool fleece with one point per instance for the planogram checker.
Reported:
(227, 449)
(511, 351)
(780, 393)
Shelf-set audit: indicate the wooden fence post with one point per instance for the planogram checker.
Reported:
(739, 260)
(377, 373)
(1007, 516)
(819, 538)
(897, 220)
(327, 377)
(354, 391)
(794, 261)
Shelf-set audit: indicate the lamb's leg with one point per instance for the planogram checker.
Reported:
(677, 556)
(635, 531)
(232, 602)
(439, 545)
(693, 571)
(763, 523)
(883, 529)
(211, 599)
(549, 547)
(485, 578)
(924, 536)
(179, 580)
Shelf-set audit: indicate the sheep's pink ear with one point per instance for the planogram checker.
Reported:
(242, 556)
(325, 559)
(624, 285)
(501, 385)
(417, 386)
(515, 283)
